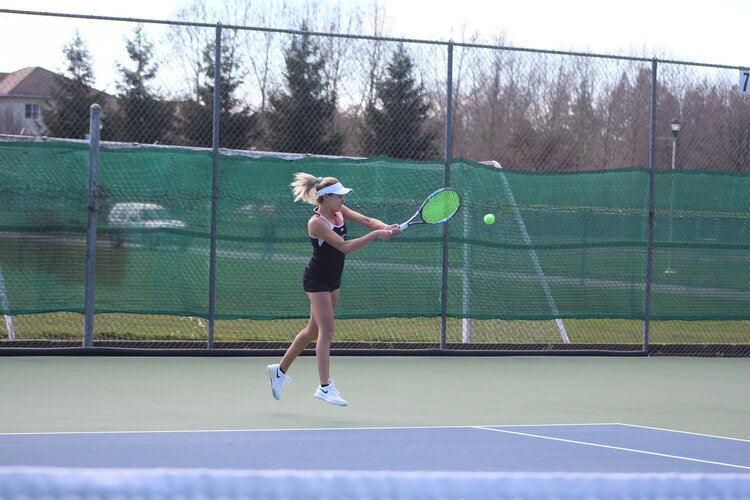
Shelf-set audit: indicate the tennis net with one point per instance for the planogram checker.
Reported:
(51, 483)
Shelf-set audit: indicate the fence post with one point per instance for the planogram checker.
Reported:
(95, 115)
(446, 237)
(651, 210)
(5, 303)
(467, 323)
(214, 189)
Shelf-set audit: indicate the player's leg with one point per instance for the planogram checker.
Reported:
(322, 305)
(278, 372)
(323, 312)
(304, 338)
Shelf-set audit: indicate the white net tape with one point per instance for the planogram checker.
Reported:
(59, 483)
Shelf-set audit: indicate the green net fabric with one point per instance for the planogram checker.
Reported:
(568, 245)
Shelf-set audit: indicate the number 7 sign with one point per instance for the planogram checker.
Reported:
(745, 81)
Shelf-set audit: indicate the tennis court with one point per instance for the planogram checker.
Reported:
(205, 427)
(545, 448)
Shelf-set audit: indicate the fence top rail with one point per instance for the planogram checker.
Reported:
(373, 38)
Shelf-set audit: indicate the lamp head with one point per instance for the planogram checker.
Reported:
(676, 125)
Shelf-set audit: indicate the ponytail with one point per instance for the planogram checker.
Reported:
(306, 186)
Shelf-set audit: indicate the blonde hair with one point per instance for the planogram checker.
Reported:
(305, 187)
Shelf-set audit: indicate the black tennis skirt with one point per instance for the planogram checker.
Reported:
(313, 282)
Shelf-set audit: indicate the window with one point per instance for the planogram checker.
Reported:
(32, 111)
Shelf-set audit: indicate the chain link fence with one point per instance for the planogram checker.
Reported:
(230, 91)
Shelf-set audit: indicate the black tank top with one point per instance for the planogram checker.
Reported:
(327, 262)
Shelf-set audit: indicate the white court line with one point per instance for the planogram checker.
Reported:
(245, 430)
(55, 433)
(684, 432)
(616, 448)
(359, 428)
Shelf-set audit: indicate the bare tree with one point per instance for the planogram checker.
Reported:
(716, 127)
(374, 24)
(189, 42)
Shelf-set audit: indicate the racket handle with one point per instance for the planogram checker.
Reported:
(403, 226)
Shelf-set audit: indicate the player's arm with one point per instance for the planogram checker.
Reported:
(318, 228)
(369, 222)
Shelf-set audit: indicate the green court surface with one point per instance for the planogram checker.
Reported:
(70, 394)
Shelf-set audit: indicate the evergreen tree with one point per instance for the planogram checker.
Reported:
(395, 122)
(302, 119)
(67, 115)
(237, 125)
(141, 117)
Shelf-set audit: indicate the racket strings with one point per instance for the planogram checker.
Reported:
(441, 206)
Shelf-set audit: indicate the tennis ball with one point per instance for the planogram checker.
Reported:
(489, 219)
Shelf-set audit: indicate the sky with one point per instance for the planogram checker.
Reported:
(686, 29)
(700, 31)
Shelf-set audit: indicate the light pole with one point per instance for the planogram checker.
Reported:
(675, 125)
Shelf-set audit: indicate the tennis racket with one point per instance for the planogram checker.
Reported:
(436, 209)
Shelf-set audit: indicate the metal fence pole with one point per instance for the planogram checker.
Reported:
(651, 210)
(5, 303)
(214, 189)
(95, 115)
(446, 237)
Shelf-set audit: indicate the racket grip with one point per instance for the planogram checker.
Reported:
(403, 226)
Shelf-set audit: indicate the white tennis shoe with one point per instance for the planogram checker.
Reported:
(278, 379)
(329, 394)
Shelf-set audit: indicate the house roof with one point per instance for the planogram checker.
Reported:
(32, 81)
(28, 81)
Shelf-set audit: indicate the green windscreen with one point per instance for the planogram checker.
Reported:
(441, 206)
(565, 245)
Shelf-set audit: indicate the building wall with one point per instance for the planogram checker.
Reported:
(13, 115)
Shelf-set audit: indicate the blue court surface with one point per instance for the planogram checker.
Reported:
(545, 462)
(600, 448)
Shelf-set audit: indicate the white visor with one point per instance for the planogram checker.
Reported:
(337, 188)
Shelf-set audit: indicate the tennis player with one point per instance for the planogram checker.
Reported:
(322, 276)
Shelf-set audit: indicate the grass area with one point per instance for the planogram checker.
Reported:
(116, 326)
